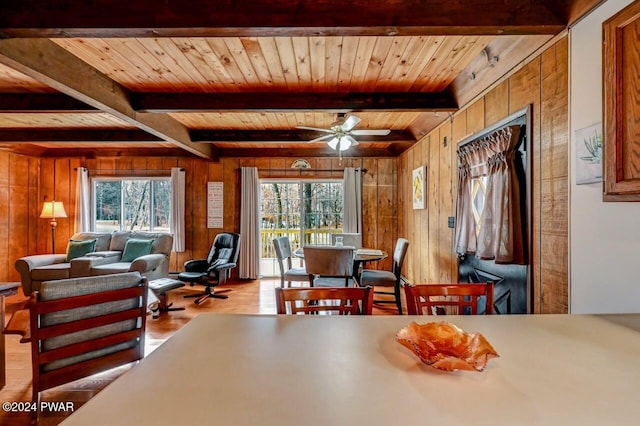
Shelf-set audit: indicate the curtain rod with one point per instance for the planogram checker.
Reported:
(129, 170)
(307, 170)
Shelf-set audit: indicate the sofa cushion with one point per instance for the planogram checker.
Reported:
(79, 248)
(56, 271)
(134, 248)
(111, 268)
(103, 239)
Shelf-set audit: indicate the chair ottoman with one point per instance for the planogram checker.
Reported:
(160, 287)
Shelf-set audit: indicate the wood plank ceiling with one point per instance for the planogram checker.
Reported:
(232, 78)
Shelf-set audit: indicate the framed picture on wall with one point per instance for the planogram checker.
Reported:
(418, 188)
(589, 154)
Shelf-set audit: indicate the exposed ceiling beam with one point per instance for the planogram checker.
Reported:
(76, 135)
(307, 101)
(204, 18)
(106, 151)
(392, 151)
(286, 136)
(47, 62)
(42, 102)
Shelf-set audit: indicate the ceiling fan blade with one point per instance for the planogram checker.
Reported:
(381, 132)
(351, 122)
(315, 129)
(321, 138)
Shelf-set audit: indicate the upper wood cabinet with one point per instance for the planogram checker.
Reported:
(621, 89)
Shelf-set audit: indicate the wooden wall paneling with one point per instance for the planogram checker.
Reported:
(5, 218)
(419, 243)
(32, 237)
(431, 216)
(411, 227)
(263, 164)
(231, 215)
(497, 103)
(422, 256)
(554, 178)
(445, 201)
(554, 108)
(524, 89)
(322, 164)
(369, 204)
(155, 163)
(475, 117)
(200, 242)
(337, 167)
(386, 205)
(16, 217)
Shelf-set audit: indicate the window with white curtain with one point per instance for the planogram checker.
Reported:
(141, 204)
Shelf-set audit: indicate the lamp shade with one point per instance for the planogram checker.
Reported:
(339, 143)
(52, 210)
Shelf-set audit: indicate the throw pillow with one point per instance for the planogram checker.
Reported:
(79, 248)
(134, 248)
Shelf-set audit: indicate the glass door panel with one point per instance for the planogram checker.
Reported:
(308, 212)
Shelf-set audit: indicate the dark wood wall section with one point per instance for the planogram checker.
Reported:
(543, 83)
(19, 211)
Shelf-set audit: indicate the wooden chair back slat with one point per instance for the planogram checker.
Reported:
(336, 300)
(456, 298)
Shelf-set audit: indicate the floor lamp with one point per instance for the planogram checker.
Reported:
(52, 210)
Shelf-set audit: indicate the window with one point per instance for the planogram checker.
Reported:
(478, 195)
(140, 204)
(308, 212)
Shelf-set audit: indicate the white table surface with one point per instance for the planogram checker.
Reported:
(231, 369)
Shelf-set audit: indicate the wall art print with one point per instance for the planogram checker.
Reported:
(418, 188)
(589, 154)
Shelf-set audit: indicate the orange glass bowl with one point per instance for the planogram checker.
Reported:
(444, 346)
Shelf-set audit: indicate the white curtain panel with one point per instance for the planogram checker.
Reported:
(352, 201)
(82, 222)
(249, 224)
(177, 227)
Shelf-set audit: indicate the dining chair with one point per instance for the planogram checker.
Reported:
(83, 326)
(282, 248)
(377, 278)
(328, 266)
(327, 300)
(456, 299)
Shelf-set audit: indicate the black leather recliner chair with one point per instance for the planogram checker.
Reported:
(215, 269)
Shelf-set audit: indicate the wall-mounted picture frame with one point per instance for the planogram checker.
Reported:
(589, 154)
(418, 185)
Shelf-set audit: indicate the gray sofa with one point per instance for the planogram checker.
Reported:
(106, 259)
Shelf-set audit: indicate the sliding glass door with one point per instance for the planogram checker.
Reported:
(308, 212)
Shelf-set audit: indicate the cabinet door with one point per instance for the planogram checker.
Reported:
(621, 88)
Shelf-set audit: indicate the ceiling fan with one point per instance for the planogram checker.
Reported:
(341, 134)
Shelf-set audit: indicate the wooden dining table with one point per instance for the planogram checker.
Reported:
(237, 369)
(360, 257)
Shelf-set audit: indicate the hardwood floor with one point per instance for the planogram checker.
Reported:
(253, 297)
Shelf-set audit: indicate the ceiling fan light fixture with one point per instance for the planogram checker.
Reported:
(339, 143)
